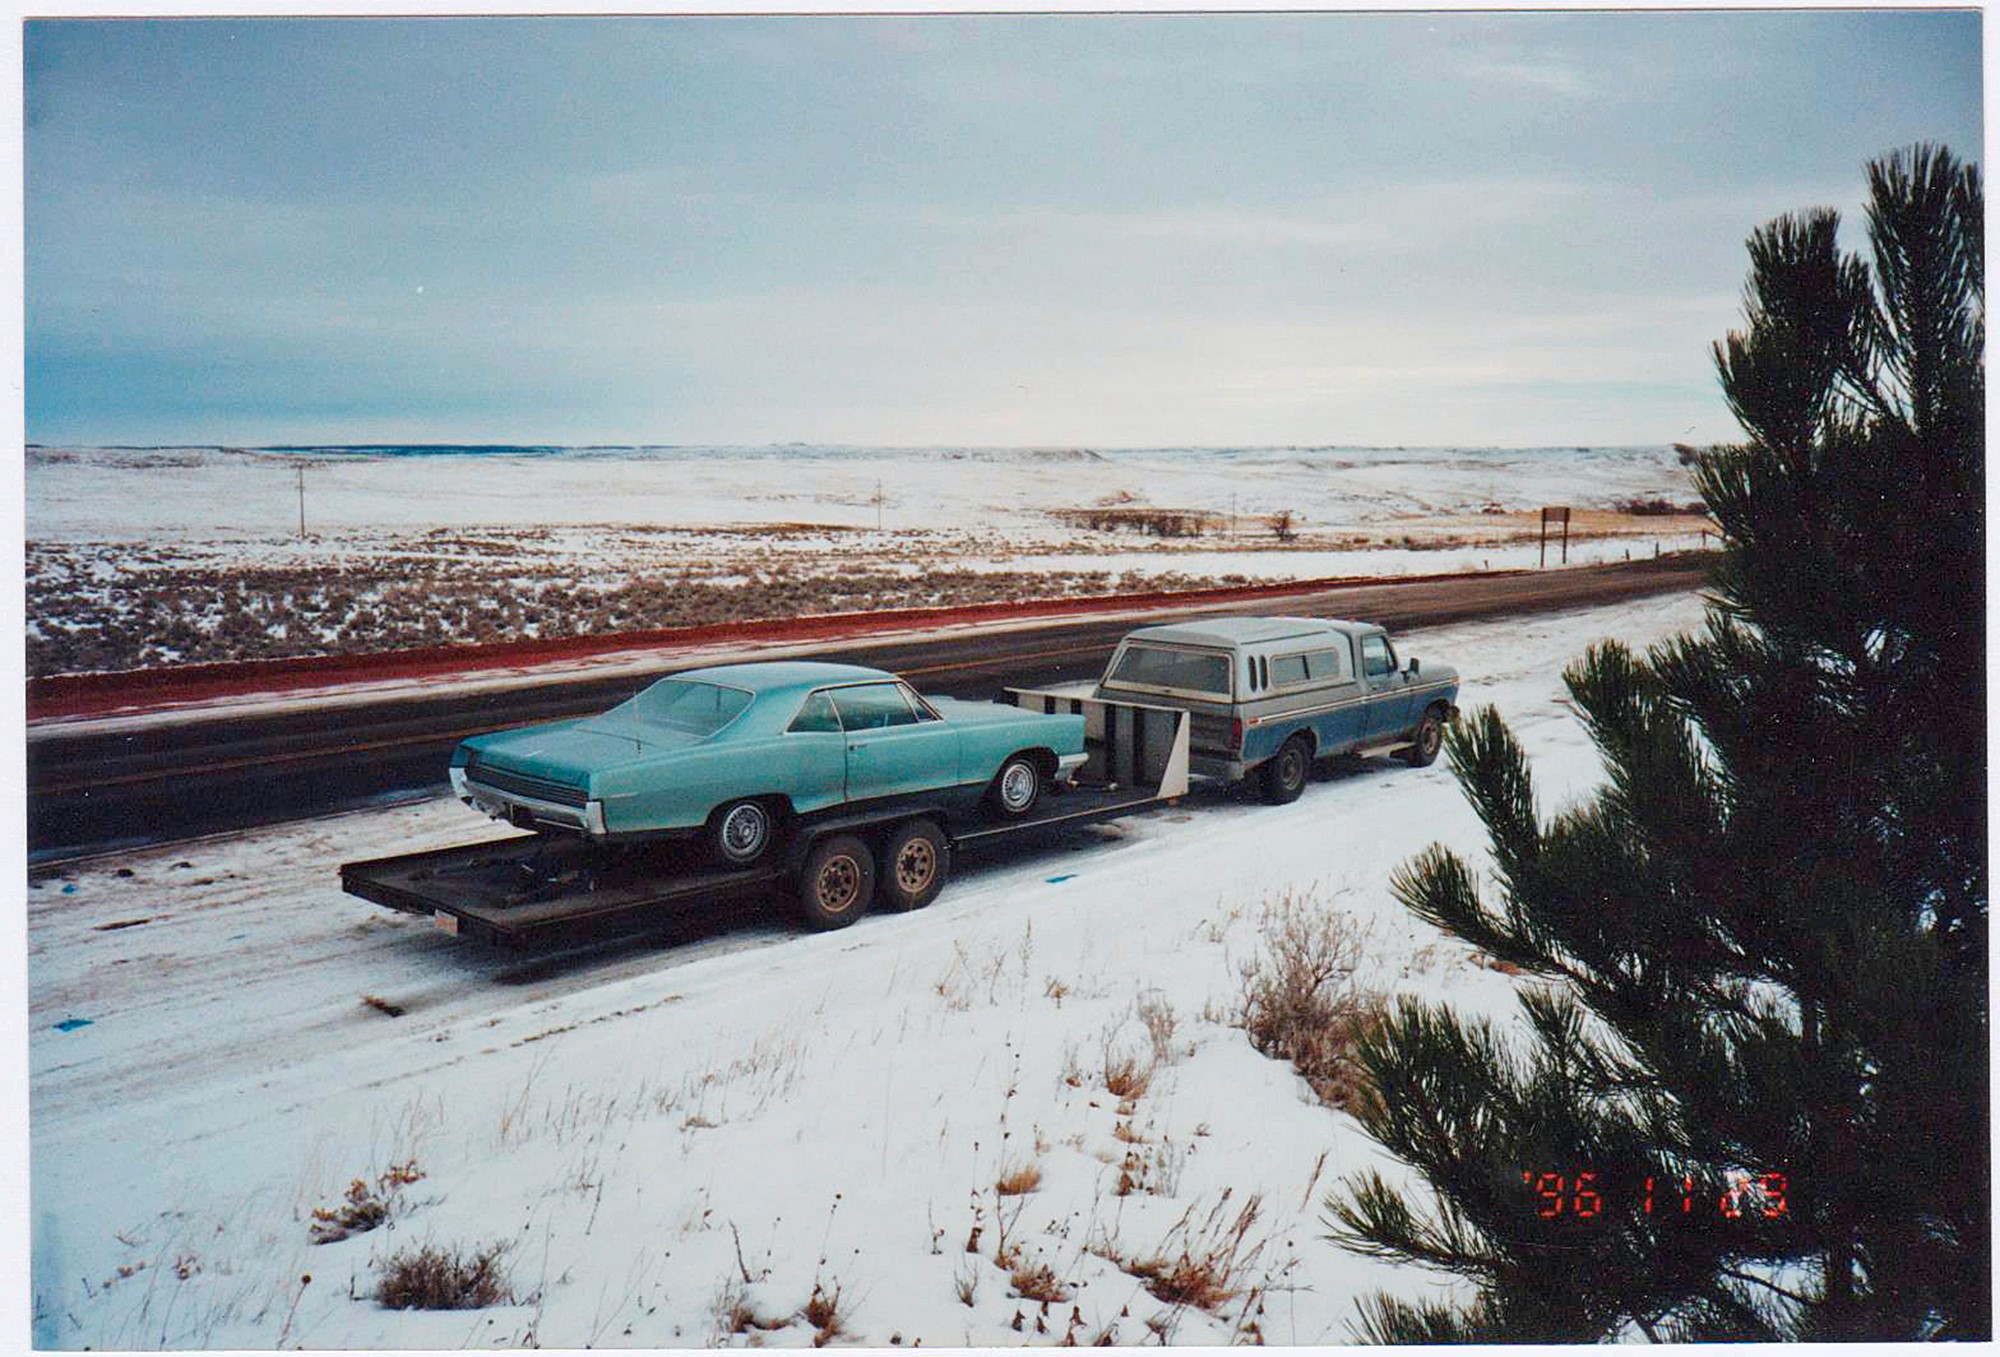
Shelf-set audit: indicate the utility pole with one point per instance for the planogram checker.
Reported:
(302, 498)
(878, 504)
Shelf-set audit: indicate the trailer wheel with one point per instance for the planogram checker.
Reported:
(916, 859)
(742, 832)
(1284, 776)
(1016, 787)
(836, 883)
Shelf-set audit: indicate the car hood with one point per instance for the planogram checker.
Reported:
(571, 751)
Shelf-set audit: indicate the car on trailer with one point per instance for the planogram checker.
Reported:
(732, 753)
(846, 781)
(1267, 696)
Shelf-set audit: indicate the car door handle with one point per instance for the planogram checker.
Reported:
(856, 748)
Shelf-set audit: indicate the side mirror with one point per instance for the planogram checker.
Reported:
(1416, 666)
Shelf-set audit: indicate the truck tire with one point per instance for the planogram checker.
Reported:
(916, 860)
(1016, 787)
(1284, 775)
(836, 883)
(1430, 738)
(742, 832)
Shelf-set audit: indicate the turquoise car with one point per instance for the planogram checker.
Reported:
(736, 753)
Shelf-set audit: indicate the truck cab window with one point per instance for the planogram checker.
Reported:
(1376, 659)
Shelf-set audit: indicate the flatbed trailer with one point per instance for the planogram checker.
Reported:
(536, 888)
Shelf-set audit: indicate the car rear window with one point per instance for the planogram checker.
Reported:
(1193, 671)
(693, 707)
(873, 706)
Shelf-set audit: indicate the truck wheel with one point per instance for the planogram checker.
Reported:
(836, 883)
(742, 832)
(1430, 739)
(1284, 776)
(1016, 787)
(915, 862)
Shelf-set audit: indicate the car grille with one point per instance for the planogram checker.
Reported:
(526, 784)
(1206, 731)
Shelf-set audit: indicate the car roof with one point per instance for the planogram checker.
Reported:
(784, 676)
(1230, 632)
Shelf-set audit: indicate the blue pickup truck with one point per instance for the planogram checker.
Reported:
(1266, 696)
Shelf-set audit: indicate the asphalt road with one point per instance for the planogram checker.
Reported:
(91, 791)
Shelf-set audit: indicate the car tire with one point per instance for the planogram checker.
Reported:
(916, 859)
(1016, 787)
(1284, 775)
(743, 832)
(836, 883)
(1430, 738)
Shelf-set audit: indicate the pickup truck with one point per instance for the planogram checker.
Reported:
(1267, 696)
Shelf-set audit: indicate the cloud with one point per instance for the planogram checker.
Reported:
(1536, 75)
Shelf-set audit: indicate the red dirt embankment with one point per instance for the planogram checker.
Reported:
(69, 695)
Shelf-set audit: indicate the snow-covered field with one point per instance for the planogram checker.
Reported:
(144, 557)
(204, 494)
(646, 1125)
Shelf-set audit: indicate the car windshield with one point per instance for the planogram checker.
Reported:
(1192, 671)
(690, 707)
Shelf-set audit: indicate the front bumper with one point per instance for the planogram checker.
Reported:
(526, 811)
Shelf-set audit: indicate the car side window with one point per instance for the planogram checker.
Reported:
(1287, 670)
(1376, 660)
(1329, 666)
(816, 716)
(872, 706)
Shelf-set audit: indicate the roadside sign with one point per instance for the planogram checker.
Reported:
(1555, 513)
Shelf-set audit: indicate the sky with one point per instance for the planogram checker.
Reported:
(1051, 230)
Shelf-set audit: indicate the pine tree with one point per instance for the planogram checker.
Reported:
(1751, 1097)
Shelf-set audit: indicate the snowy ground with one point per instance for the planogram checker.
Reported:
(645, 1124)
(203, 494)
(139, 557)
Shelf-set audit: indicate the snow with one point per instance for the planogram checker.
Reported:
(644, 1122)
(206, 494)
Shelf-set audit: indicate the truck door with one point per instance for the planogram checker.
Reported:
(1388, 700)
(892, 748)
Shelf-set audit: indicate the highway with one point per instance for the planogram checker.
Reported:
(91, 791)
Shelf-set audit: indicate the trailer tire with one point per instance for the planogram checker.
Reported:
(1016, 787)
(1284, 774)
(916, 860)
(742, 832)
(836, 883)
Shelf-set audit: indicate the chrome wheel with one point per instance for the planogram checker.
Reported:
(745, 832)
(1019, 783)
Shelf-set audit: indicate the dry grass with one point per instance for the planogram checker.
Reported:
(1202, 1266)
(108, 606)
(822, 1311)
(365, 1206)
(1126, 1076)
(1302, 1003)
(433, 1278)
(1037, 1282)
(1019, 1180)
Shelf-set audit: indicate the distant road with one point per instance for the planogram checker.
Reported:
(90, 792)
